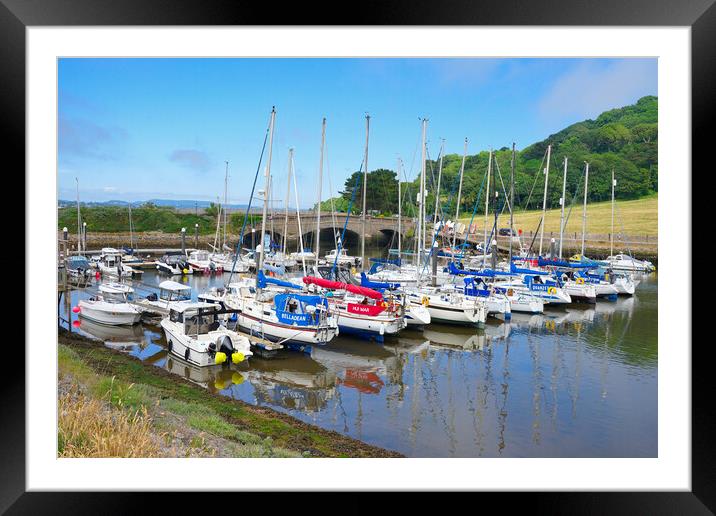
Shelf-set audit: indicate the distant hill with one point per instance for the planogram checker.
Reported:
(624, 139)
(179, 204)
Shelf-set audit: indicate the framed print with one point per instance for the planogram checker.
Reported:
(329, 257)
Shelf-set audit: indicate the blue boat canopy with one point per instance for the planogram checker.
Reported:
(377, 285)
(262, 281)
(542, 262)
(484, 273)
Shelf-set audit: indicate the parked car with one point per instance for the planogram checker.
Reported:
(506, 232)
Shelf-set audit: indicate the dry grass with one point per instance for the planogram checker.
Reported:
(637, 217)
(89, 427)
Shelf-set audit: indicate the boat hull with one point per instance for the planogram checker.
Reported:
(115, 316)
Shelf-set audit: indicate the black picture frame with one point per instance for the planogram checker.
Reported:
(700, 15)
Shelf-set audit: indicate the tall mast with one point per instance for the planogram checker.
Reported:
(487, 207)
(421, 198)
(400, 215)
(544, 198)
(365, 188)
(459, 194)
(584, 208)
(288, 193)
(79, 220)
(131, 238)
(320, 183)
(437, 192)
(271, 206)
(260, 261)
(512, 198)
(562, 201)
(298, 214)
(226, 188)
(611, 235)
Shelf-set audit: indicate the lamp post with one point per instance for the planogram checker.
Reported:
(196, 236)
(183, 240)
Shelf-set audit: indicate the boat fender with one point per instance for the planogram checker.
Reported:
(237, 357)
(551, 290)
(76, 309)
(425, 301)
(186, 354)
(170, 345)
(580, 281)
(220, 357)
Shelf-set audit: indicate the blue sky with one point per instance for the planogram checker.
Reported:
(135, 129)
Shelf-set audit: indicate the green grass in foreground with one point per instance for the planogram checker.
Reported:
(636, 217)
(129, 399)
(130, 385)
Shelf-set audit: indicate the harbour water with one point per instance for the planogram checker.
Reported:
(579, 381)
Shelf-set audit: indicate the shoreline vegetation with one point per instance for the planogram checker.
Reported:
(111, 404)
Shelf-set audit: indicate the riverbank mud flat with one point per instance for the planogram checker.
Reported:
(217, 420)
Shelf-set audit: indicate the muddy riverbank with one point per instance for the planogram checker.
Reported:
(251, 430)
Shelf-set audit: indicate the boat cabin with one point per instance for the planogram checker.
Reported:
(197, 318)
(116, 292)
(174, 291)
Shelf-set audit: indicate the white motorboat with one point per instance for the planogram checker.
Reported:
(200, 261)
(79, 268)
(169, 292)
(111, 305)
(194, 333)
(110, 263)
(343, 258)
(174, 263)
(624, 262)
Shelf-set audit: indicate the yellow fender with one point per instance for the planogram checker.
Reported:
(220, 357)
(551, 290)
(425, 301)
(580, 281)
(237, 357)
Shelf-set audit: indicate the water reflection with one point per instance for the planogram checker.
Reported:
(577, 381)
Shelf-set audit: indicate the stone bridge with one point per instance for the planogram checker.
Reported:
(376, 228)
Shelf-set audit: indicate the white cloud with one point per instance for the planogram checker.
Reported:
(590, 88)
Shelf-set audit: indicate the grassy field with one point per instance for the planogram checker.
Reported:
(637, 217)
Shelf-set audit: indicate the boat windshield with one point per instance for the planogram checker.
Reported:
(196, 323)
(116, 297)
(175, 295)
